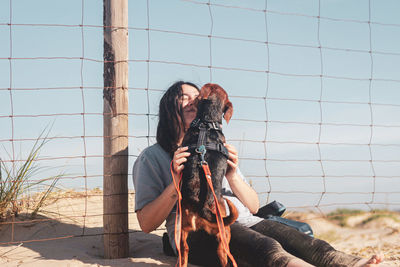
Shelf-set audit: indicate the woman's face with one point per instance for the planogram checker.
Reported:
(189, 94)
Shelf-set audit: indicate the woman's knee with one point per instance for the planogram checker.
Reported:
(257, 249)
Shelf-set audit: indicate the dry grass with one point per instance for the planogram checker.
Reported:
(15, 182)
(329, 236)
(342, 216)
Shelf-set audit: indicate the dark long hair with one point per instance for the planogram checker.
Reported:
(170, 117)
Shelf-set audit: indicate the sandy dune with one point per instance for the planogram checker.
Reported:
(62, 236)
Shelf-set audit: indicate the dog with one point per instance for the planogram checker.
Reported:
(198, 205)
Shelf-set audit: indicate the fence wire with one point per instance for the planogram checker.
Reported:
(262, 174)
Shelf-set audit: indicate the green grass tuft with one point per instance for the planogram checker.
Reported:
(341, 215)
(387, 214)
(14, 182)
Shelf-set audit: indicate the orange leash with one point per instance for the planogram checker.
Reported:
(218, 214)
(178, 217)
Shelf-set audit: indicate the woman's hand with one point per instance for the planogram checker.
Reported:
(240, 188)
(233, 161)
(180, 157)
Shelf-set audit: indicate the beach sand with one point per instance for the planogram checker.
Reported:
(62, 236)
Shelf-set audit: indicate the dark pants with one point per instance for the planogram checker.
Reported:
(267, 243)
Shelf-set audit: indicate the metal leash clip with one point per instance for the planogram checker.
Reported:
(202, 151)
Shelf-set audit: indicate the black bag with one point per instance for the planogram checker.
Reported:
(273, 210)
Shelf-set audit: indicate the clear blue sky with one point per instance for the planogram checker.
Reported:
(278, 81)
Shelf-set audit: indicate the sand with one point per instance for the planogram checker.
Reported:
(55, 237)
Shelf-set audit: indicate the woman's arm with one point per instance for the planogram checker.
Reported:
(240, 188)
(153, 214)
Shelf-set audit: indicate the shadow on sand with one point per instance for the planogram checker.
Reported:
(49, 239)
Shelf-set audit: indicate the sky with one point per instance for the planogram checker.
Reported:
(314, 84)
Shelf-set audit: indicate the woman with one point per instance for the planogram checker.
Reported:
(254, 241)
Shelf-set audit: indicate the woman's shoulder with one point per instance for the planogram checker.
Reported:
(152, 152)
(153, 162)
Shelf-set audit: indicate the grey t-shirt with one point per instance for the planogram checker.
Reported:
(151, 175)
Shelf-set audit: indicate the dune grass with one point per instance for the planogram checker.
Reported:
(382, 214)
(15, 182)
(340, 216)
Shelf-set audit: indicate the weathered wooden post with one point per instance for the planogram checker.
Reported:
(115, 94)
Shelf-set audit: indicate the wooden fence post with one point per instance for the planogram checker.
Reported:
(115, 94)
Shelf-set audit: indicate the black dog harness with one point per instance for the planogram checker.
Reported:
(202, 145)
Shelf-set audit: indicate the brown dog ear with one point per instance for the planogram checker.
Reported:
(228, 111)
(205, 91)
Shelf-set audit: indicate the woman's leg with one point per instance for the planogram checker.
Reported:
(248, 247)
(312, 250)
(270, 243)
(256, 249)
